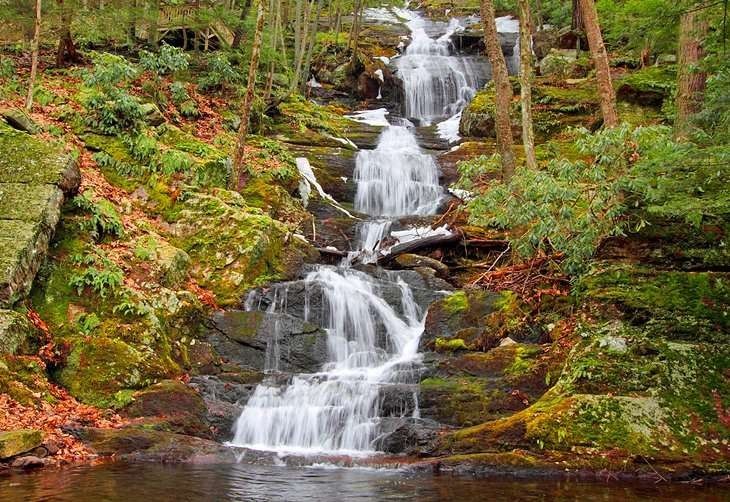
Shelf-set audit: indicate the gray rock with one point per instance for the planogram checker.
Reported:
(263, 341)
(406, 435)
(20, 120)
(152, 114)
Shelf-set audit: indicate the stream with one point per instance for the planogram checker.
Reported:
(242, 482)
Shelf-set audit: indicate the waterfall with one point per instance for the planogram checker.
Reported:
(437, 84)
(397, 178)
(336, 410)
(372, 344)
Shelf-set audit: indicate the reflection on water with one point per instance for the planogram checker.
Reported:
(153, 482)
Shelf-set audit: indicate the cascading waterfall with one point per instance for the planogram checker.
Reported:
(371, 343)
(397, 178)
(437, 84)
(336, 410)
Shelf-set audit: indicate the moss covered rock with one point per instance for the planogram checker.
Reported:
(19, 441)
(234, 247)
(15, 331)
(169, 405)
(105, 371)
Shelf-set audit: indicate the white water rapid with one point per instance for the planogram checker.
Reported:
(372, 344)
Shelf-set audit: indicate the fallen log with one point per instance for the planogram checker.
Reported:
(417, 244)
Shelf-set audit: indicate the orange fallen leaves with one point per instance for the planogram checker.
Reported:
(52, 418)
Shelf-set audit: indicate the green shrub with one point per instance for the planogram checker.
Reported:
(97, 272)
(571, 206)
(103, 218)
(220, 74)
(168, 60)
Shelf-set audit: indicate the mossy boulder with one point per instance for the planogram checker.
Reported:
(20, 120)
(169, 405)
(460, 315)
(15, 331)
(19, 441)
(24, 379)
(141, 445)
(564, 63)
(168, 264)
(466, 388)
(648, 86)
(234, 247)
(105, 371)
(33, 179)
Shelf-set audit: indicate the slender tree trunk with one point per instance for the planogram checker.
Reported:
(35, 49)
(600, 60)
(238, 178)
(355, 32)
(690, 80)
(313, 28)
(528, 134)
(66, 47)
(238, 32)
(538, 14)
(153, 24)
(300, 48)
(274, 20)
(503, 89)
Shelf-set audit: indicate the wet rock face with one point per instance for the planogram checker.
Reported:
(460, 315)
(262, 341)
(224, 395)
(407, 435)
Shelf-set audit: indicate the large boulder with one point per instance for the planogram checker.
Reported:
(34, 178)
(170, 405)
(234, 247)
(15, 442)
(141, 445)
(269, 341)
(461, 315)
(15, 330)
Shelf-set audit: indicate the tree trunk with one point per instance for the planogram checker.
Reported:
(35, 49)
(600, 61)
(355, 32)
(313, 28)
(528, 134)
(238, 32)
(690, 80)
(66, 47)
(503, 89)
(238, 178)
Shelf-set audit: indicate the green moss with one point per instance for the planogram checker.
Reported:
(233, 247)
(24, 379)
(703, 295)
(99, 368)
(19, 441)
(524, 359)
(452, 345)
(456, 302)
(26, 159)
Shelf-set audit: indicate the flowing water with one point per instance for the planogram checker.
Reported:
(370, 342)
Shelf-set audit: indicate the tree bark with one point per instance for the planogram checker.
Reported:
(503, 89)
(528, 134)
(600, 61)
(313, 28)
(66, 47)
(691, 81)
(35, 49)
(238, 178)
(238, 32)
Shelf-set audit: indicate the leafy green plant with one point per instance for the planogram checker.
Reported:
(220, 74)
(570, 207)
(111, 109)
(141, 146)
(103, 218)
(184, 103)
(174, 161)
(168, 60)
(87, 323)
(97, 272)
